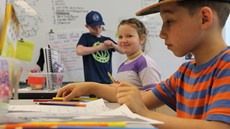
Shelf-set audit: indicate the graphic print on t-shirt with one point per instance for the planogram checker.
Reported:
(101, 56)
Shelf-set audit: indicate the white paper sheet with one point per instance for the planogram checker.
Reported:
(125, 111)
(92, 107)
(94, 110)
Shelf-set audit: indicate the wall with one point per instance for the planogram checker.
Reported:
(68, 16)
(227, 31)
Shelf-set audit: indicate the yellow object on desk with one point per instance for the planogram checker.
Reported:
(55, 124)
(81, 98)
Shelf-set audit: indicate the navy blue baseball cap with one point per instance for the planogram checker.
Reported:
(94, 19)
(155, 8)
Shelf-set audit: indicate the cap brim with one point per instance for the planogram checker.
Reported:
(96, 24)
(154, 8)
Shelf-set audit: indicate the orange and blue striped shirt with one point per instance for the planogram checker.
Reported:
(199, 92)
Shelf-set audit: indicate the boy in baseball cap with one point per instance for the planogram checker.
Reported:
(94, 19)
(96, 50)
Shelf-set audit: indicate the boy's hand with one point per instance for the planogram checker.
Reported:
(102, 47)
(130, 95)
(109, 44)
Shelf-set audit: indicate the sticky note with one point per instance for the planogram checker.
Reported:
(24, 50)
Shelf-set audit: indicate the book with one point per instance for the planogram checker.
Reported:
(53, 61)
(53, 67)
(10, 32)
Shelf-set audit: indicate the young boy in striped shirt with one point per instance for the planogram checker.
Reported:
(199, 91)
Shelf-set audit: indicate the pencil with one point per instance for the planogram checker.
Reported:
(63, 104)
(75, 99)
(111, 78)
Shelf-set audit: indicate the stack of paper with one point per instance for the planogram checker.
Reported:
(94, 111)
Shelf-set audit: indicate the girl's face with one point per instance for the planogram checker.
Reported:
(129, 40)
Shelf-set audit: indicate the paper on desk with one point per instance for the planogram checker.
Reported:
(95, 110)
(92, 107)
(125, 111)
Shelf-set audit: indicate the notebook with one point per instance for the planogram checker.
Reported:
(53, 66)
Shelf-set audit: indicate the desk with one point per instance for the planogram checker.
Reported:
(109, 105)
(30, 102)
(25, 93)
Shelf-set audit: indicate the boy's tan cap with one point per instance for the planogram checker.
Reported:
(155, 7)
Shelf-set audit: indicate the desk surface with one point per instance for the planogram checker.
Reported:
(30, 102)
(109, 105)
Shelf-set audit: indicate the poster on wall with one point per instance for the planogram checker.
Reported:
(2, 13)
(10, 31)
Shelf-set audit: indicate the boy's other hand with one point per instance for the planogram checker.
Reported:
(109, 44)
(102, 47)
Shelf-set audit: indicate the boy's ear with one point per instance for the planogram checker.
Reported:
(207, 17)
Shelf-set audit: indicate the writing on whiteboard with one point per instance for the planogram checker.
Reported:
(65, 14)
(66, 42)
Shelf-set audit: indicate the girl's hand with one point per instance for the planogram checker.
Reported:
(73, 90)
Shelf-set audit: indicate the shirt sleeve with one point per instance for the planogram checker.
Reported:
(82, 40)
(165, 91)
(219, 103)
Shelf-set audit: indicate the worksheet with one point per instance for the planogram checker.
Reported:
(94, 110)
(91, 107)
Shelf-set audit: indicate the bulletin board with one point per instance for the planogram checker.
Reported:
(68, 17)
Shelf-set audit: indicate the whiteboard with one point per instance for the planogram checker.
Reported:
(68, 16)
(227, 31)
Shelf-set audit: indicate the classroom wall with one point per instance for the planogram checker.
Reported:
(66, 17)
(227, 31)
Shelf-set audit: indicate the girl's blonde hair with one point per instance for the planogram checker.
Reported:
(138, 25)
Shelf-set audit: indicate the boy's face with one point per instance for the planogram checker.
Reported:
(180, 30)
(95, 30)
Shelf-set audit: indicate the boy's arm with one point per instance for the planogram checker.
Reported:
(111, 44)
(126, 94)
(171, 122)
(117, 48)
(83, 50)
